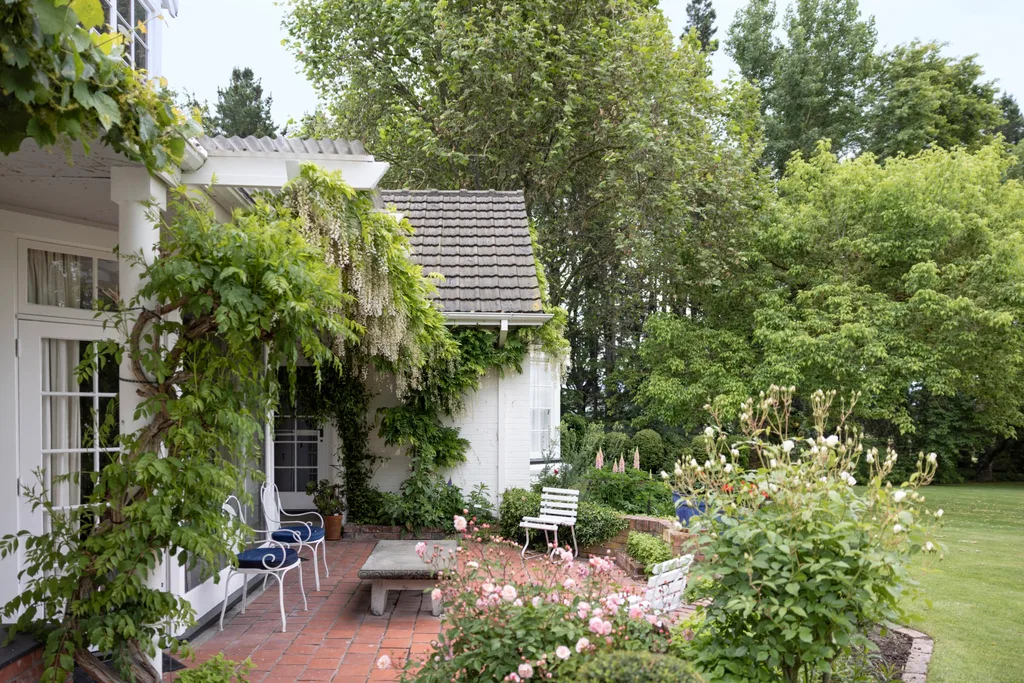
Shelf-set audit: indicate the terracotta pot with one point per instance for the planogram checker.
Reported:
(332, 527)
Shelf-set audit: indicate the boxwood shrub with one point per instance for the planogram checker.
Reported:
(636, 667)
(633, 492)
(595, 524)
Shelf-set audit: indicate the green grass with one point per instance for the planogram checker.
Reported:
(977, 589)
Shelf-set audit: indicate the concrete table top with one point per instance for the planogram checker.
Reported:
(398, 560)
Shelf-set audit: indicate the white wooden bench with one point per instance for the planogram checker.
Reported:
(558, 507)
(667, 584)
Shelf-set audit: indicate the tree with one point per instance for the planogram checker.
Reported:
(812, 84)
(1012, 129)
(700, 17)
(901, 281)
(242, 109)
(922, 99)
(635, 166)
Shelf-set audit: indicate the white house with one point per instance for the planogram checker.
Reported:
(59, 224)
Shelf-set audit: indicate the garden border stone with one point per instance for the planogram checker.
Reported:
(916, 668)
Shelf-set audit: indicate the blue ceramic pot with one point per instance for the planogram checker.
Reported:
(688, 508)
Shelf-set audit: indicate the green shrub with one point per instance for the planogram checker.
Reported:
(647, 550)
(616, 444)
(217, 670)
(595, 524)
(654, 457)
(636, 667)
(632, 492)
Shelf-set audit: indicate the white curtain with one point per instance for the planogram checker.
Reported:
(54, 279)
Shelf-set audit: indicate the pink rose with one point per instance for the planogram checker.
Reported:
(487, 588)
(582, 644)
(635, 612)
(596, 625)
(460, 523)
(525, 670)
(421, 548)
(435, 594)
(384, 662)
(562, 652)
(508, 593)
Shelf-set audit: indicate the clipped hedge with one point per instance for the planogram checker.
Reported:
(647, 550)
(633, 492)
(654, 457)
(636, 667)
(595, 524)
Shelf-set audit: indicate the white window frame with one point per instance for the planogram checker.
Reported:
(544, 376)
(60, 312)
(152, 10)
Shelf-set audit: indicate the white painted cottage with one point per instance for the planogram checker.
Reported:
(60, 222)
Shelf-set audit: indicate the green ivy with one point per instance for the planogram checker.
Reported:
(63, 78)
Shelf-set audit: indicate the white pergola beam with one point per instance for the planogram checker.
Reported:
(264, 172)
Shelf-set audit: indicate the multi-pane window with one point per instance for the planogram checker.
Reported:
(541, 408)
(79, 419)
(72, 281)
(125, 16)
(296, 453)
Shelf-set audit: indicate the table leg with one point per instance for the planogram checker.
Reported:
(378, 597)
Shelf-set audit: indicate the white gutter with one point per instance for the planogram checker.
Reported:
(495, 319)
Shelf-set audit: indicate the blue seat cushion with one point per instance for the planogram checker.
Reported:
(305, 533)
(276, 558)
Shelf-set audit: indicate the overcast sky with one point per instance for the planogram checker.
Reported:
(209, 37)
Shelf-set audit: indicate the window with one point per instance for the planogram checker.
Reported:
(125, 16)
(541, 409)
(296, 453)
(77, 281)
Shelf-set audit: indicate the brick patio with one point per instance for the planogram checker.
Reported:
(337, 639)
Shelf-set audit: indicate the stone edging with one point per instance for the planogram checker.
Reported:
(921, 646)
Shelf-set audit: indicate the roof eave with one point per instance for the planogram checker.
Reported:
(473, 319)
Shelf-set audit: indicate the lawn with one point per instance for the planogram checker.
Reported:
(977, 589)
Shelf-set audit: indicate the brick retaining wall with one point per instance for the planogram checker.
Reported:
(664, 529)
(370, 532)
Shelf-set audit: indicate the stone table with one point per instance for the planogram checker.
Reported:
(394, 565)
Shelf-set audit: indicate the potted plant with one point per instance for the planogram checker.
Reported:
(330, 503)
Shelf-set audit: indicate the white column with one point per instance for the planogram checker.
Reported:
(139, 198)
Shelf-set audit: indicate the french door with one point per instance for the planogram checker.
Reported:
(67, 424)
(300, 456)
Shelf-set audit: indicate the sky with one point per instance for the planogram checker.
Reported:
(248, 33)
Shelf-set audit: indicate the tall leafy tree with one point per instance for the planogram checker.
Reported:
(902, 281)
(922, 98)
(1012, 129)
(241, 107)
(812, 82)
(700, 17)
(636, 167)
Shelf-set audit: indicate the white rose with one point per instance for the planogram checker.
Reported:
(899, 495)
(929, 546)
(773, 463)
(728, 468)
(832, 441)
(709, 432)
(938, 513)
(932, 458)
(788, 445)
(897, 528)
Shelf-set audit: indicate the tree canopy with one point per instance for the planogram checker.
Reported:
(700, 17)
(241, 108)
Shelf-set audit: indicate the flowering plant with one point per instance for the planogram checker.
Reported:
(803, 562)
(511, 619)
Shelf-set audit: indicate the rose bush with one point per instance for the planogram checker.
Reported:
(511, 619)
(803, 559)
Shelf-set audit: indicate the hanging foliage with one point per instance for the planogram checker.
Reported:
(63, 78)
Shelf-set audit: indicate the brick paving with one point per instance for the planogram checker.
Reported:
(337, 639)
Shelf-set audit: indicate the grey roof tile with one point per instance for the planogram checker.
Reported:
(480, 242)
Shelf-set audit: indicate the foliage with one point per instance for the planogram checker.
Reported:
(63, 79)
(242, 109)
(898, 280)
(633, 492)
(507, 619)
(636, 667)
(217, 669)
(653, 456)
(700, 17)
(328, 497)
(1012, 128)
(595, 523)
(803, 562)
(634, 163)
(616, 445)
(224, 293)
(921, 99)
(812, 83)
(647, 550)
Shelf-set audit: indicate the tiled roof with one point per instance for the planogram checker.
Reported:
(220, 145)
(479, 241)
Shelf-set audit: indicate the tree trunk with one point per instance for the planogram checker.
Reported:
(101, 673)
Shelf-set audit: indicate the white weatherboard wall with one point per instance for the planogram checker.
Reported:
(499, 402)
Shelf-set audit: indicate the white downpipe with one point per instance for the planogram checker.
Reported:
(138, 197)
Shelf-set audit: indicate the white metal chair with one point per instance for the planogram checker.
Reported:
(297, 535)
(557, 508)
(667, 584)
(268, 558)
